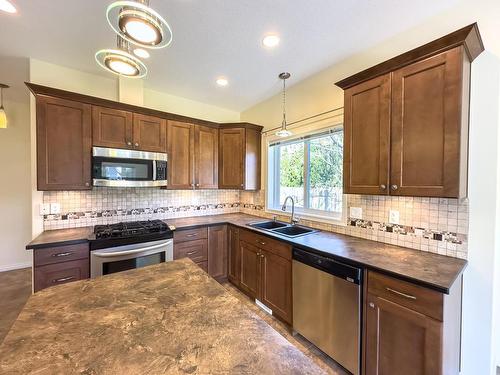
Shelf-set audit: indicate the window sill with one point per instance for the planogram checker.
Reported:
(311, 217)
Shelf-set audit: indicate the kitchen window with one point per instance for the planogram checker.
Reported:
(309, 169)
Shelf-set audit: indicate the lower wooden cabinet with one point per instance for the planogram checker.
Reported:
(206, 246)
(217, 252)
(233, 255)
(410, 329)
(266, 273)
(60, 265)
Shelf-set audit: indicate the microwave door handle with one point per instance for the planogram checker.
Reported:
(154, 170)
(127, 252)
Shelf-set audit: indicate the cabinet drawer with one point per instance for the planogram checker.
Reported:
(60, 273)
(190, 234)
(417, 298)
(273, 246)
(203, 266)
(196, 250)
(61, 254)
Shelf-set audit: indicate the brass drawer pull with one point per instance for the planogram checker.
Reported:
(63, 279)
(63, 254)
(409, 296)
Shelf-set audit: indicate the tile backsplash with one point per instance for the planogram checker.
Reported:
(428, 224)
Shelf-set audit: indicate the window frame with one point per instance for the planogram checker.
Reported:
(272, 193)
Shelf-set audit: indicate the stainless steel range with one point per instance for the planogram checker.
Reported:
(129, 245)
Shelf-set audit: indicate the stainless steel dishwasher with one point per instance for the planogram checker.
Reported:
(327, 306)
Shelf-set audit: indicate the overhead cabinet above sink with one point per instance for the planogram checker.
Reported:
(406, 121)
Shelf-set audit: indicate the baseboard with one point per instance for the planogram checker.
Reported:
(16, 266)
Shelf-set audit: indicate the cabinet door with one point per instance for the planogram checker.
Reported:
(277, 285)
(180, 141)
(367, 116)
(231, 158)
(150, 133)
(426, 127)
(217, 251)
(250, 269)
(111, 128)
(233, 273)
(206, 157)
(400, 340)
(60, 273)
(64, 144)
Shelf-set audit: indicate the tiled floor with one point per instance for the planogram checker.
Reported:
(321, 359)
(15, 288)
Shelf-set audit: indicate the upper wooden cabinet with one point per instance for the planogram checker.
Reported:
(64, 144)
(192, 152)
(122, 129)
(206, 157)
(150, 133)
(112, 128)
(180, 141)
(239, 156)
(406, 121)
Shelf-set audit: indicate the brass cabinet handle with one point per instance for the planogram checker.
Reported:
(62, 279)
(383, 187)
(63, 254)
(409, 296)
(394, 187)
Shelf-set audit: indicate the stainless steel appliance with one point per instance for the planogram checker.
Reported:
(327, 306)
(124, 246)
(128, 168)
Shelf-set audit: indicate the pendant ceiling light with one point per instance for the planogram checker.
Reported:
(120, 61)
(284, 132)
(3, 116)
(136, 22)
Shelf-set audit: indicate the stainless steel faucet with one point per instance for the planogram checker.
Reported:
(293, 220)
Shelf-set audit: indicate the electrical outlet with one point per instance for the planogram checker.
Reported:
(44, 209)
(356, 213)
(55, 208)
(393, 217)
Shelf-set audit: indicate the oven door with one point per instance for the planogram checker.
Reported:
(126, 168)
(126, 257)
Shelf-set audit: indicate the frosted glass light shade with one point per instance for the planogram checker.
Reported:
(3, 119)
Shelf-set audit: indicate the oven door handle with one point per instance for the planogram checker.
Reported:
(127, 252)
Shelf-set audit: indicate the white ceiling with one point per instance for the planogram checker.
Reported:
(217, 37)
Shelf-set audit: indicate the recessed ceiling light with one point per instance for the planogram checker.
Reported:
(139, 52)
(137, 23)
(7, 6)
(271, 41)
(222, 81)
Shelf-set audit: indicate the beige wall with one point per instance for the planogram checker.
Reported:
(15, 197)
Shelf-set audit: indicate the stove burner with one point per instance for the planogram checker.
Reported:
(129, 229)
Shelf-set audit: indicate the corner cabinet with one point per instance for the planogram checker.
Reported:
(64, 144)
(240, 156)
(406, 121)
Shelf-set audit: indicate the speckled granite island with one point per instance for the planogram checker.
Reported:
(170, 318)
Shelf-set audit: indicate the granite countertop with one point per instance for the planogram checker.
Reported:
(170, 318)
(434, 271)
(59, 237)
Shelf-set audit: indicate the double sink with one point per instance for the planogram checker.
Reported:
(284, 229)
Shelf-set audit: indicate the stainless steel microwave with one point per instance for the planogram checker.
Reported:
(128, 168)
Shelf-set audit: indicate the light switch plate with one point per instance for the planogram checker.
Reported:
(356, 213)
(44, 209)
(55, 208)
(393, 217)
